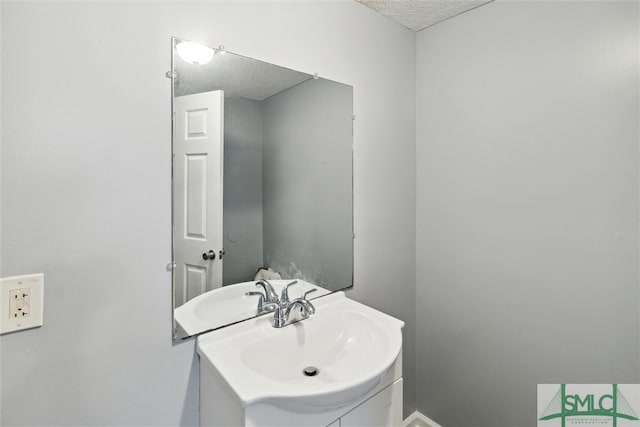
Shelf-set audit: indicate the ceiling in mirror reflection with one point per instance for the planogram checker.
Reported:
(238, 76)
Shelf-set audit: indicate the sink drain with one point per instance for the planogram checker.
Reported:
(310, 371)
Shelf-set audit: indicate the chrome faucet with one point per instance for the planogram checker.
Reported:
(285, 312)
(261, 302)
(266, 300)
(269, 293)
(296, 310)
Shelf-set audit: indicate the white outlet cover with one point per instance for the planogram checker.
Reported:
(34, 283)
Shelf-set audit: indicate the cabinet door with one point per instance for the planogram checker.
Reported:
(381, 410)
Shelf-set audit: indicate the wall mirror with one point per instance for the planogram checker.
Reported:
(262, 184)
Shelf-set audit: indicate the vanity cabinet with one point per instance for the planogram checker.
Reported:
(381, 407)
(341, 367)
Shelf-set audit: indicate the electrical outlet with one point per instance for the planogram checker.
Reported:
(21, 302)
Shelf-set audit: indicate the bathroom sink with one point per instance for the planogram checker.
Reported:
(346, 349)
(229, 304)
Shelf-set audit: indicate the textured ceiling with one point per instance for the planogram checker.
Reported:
(252, 79)
(420, 14)
(238, 75)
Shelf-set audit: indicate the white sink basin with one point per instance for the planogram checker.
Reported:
(352, 345)
(229, 304)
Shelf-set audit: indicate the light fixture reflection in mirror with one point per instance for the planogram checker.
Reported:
(194, 53)
(262, 184)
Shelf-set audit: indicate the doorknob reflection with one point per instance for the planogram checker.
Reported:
(209, 255)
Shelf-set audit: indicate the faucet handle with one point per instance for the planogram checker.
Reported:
(269, 293)
(304, 302)
(304, 297)
(284, 295)
(262, 306)
(256, 293)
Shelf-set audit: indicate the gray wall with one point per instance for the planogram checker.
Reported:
(86, 188)
(308, 183)
(527, 206)
(242, 215)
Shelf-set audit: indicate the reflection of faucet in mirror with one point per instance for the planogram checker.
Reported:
(270, 297)
(284, 295)
(269, 293)
(261, 302)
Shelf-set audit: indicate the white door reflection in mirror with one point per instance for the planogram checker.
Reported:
(198, 179)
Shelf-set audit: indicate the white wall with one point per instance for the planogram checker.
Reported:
(527, 206)
(308, 136)
(86, 188)
(242, 217)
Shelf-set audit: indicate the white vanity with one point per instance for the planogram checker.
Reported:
(340, 367)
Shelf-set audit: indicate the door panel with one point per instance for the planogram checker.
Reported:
(196, 277)
(196, 196)
(198, 174)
